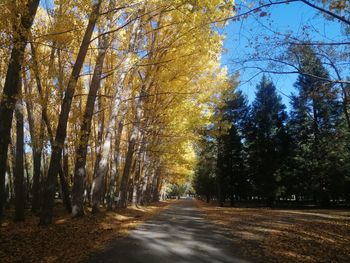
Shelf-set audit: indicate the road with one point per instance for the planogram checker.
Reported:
(180, 234)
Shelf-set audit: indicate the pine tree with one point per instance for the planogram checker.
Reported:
(233, 154)
(266, 140)
(315, 120)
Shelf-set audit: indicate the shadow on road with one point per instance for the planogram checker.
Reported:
(179, 234)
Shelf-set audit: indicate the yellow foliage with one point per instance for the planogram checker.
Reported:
(174, 65)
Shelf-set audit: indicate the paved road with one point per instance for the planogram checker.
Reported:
(179, 234)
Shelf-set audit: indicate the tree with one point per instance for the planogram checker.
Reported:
(81, 151)
(19, 170)
(236, 112)
(231, 172)
(121, 104)
(315, 128)
(61, 131)
(12, 87)
(266, 136)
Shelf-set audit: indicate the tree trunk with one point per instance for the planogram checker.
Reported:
(19, 170)
(61, 131)
(36, 180)
(65, 165)
(143, 194)
(65, 189)
(81, 152)
(36, 150)
(12, 87)
(141, 176)
(101, 168)
(208, 199)
(27, 188)
(137, 181)
(156, 186)
(10, 192)
(131, 149)
(45, 117)
(133, 183)
(149, 187)
(116, 114)
(115, 164)
(12, 165)
(126, 173)
(63, 175)
(129, 156)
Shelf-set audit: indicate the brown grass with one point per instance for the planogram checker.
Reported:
(68, 239)
(269, 235)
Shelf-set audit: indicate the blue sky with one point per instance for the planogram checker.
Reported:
(46, 3)
(283, 18)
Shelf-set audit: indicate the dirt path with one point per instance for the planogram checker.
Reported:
(179, 234)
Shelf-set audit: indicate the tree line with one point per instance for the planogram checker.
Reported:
(261, 153)
(101, 99)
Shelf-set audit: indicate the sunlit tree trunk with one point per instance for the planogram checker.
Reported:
(138, 176)
(129, 155)
(81, 152)
(106, 148)
(61, 131)
(10, 191)
(116, 113)
(115, 164)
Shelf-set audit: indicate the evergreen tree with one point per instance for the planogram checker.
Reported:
(318, 158)
(266, 140)
(233, 155)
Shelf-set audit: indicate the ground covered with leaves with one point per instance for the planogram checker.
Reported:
(277, 235)
(68, 239)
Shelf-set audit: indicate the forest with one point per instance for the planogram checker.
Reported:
(270, 156)
(109, 108)
(103, 102)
